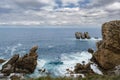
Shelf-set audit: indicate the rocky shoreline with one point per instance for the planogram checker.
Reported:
(107, 56)
(19, 66)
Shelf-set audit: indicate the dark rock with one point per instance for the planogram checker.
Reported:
(2, 61)
(87, 36)
(84, 35)
(10, 65)
(78, 35)
(108, 53)
(83, 69)
(25, 64)
(90, 50)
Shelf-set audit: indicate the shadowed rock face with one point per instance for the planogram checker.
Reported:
(108, 53)
(25, 64)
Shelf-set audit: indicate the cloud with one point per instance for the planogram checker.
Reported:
(58, 12)
(113, 6)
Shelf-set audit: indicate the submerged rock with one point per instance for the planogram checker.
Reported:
(108, 53)
(25, 64)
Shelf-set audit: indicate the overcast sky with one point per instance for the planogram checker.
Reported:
(58, 12)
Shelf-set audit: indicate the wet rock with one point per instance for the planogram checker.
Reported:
(90, 50)
(108, 53)
(2, 61)
(25, 64)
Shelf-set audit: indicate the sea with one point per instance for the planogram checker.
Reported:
(58, 48)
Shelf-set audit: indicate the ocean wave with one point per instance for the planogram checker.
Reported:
(66, 61)
(92, 39)
(50, 46)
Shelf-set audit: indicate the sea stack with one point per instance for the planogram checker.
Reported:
(80, 35)
(108, 49)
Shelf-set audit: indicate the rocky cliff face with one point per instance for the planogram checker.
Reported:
(108, 53)
(25, 64)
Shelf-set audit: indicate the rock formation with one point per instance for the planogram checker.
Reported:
(90, 50)
(83, 69)
(25, 64)
(2, 61)
(108, 53)
(84, 35)
(78, 35)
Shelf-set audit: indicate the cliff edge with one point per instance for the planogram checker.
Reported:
(108, 49)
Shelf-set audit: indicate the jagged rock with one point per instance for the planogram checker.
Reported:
(108, 53)
(2, 61)
(10, 65)
(83, 69)
(78, 35)
(90, 50)
(25, 64)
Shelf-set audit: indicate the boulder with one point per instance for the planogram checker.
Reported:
(90, 50)
(25, 64)
(2, 61)
(108, 50)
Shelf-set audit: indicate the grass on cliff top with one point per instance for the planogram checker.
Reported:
(92, 77)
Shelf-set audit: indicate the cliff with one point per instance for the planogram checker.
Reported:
(108, 50)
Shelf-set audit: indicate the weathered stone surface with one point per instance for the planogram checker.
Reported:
(25, 64)
(108, 53)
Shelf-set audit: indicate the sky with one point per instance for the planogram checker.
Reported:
(88, 13)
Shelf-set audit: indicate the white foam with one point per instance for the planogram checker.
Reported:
(95, 69)
(13, 49)
(50, 46)
(40, 64)
(70, 61)
(3, 63)
(92, 39)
